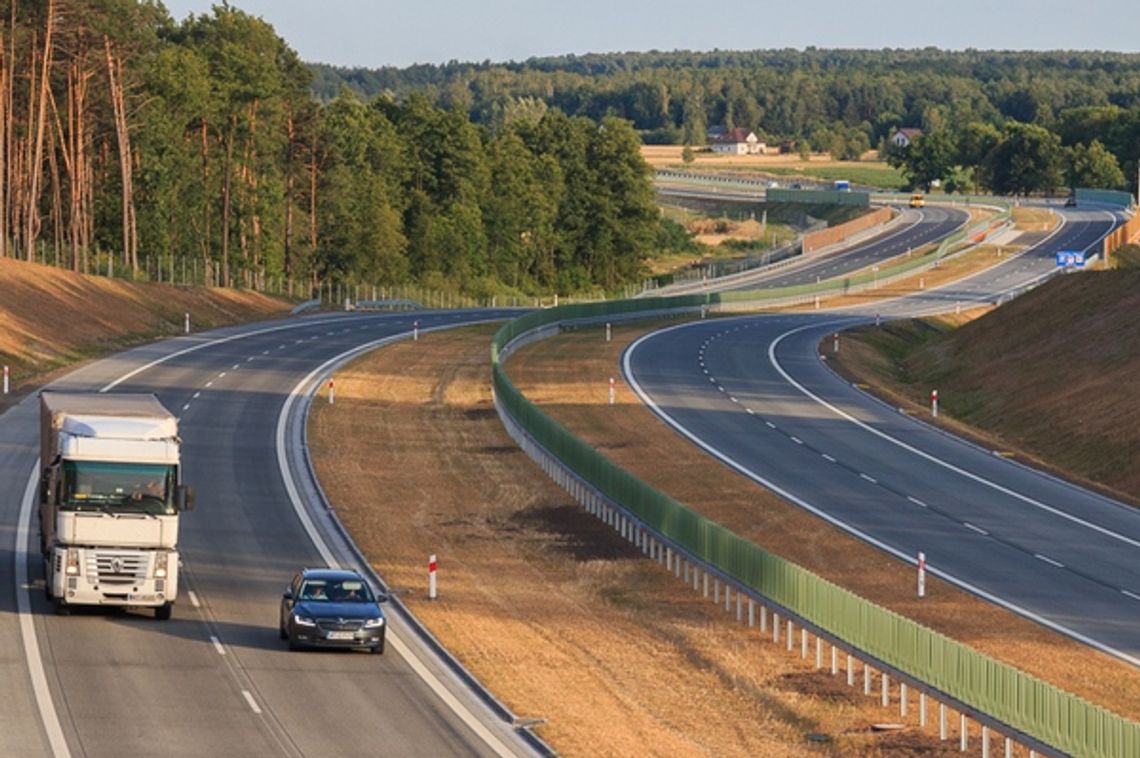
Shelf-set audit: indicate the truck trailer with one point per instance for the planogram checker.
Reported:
(111, 493)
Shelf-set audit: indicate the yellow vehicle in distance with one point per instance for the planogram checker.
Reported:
(917, 200)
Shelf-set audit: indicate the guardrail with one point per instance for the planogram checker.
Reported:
(1034, 712)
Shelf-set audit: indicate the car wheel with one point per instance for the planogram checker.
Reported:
(282, 633)
(293, 645)
(62, 608)
(164, 611)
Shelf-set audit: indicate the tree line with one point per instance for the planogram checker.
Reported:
(839, 101)
(134, 144)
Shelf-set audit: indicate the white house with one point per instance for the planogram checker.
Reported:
(903, 137)
(738, 141)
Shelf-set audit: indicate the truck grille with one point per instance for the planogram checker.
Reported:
(111, 568)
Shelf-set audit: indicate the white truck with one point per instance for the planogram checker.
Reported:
(110, 497)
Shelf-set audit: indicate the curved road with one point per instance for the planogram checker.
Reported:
(215, 680)
(754, 392)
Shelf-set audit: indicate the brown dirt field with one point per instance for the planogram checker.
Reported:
(665, 156)
(54, 318)
(1033, 219)
(561, 374)
(558, 616)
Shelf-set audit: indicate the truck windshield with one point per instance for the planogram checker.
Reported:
(118, 487)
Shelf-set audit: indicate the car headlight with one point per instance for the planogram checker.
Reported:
(373, 623)
(303, 620)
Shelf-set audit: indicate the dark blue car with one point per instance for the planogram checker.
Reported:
(332, 608)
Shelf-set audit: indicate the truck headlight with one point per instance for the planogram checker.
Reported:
(373, 623)
(160, 563)
(72, 568)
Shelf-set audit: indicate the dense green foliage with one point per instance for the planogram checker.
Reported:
(194, 151)
(840, 101)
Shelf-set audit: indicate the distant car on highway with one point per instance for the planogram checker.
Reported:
(1071, 201)
(917, 200)
(332, 608)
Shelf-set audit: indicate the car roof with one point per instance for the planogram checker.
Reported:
(327, 573)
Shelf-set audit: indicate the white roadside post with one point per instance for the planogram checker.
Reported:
(609, 332)
(431, 577)
(922, 574)
(613, 391)
(934, 403)
(835, 343)
(415, 331)
(332, 391)
(5, 380)
(186, 323)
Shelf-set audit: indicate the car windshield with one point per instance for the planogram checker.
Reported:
(335, 591)
(118, 487)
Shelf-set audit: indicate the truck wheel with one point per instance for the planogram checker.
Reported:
(47, 579)
(162, 612)
(62, 608)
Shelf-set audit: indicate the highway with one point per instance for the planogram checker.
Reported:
(753, 392)
(216, 680)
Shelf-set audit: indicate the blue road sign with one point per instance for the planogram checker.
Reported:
(1070, 259)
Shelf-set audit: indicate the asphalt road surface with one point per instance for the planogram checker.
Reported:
(216, 680)
(754, 392)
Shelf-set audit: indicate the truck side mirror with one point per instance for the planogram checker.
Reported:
(184, 498)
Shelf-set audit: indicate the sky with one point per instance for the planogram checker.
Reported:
(375, 33)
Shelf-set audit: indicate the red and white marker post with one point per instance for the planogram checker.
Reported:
(922, 574)
(332, 392)
(934, 403)
(431, 577)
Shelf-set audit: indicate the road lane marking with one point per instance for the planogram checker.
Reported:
(193, 599)
(869, 478)
(186, 407)
(627, 370)
(427, 676)
(828, 458)
(209, 384)
(236, 366)
(770, 424)
(1049, 560)
(217, 644)
(44, 703)
(222, 375)
(917, 502)
(979, 530)
(196, 395)
(796, 440)
(750, 411)
(1132, 595)
(252, 703)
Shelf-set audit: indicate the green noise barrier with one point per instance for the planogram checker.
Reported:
(1022, 702)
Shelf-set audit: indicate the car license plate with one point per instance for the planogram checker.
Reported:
(141, 598)
(340, 635)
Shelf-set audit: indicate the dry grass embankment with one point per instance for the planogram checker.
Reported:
(556, 614)
(562, 375)
(54, 318)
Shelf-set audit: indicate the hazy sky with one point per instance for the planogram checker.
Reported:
(377, 33)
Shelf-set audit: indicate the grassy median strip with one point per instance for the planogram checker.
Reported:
(568, 377)
(563, 620)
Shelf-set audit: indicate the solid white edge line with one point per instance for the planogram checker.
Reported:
(253, 706)
(925, 455)
(740, 468)
(427, 676)
(48, 715)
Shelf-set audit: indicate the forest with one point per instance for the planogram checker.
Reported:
(194, 151)
(982, 112)
(205, 151)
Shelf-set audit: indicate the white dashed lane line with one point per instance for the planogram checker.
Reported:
(209, 384)
(917, 502)
(236, 366)
(196, 395)
(193, 599)
(252, 703)
(186, 407)
(869, 478)
(217, 645)
(977, 529)
(828, 458)
(770, 425)
(796, 440)
(1049, 560)
(1132, 595)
